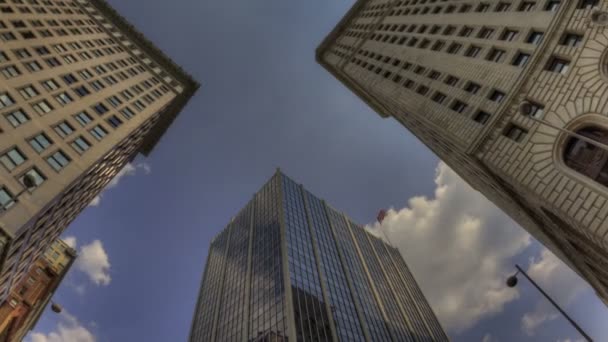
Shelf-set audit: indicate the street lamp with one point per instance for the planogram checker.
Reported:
(512, 282)
(29, 182)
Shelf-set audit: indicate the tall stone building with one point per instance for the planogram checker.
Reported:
(22, 309)
(511, 94)
(81, 94)
(290, 268)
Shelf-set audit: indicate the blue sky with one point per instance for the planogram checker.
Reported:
(265, 103)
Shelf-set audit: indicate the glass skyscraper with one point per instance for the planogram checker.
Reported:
(290, 268)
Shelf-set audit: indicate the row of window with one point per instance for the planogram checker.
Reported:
(482, 7)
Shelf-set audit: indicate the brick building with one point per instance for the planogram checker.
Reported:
(22, 309)
(511, 94)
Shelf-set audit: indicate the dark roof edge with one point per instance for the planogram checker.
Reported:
(145, 44)
(166, 63)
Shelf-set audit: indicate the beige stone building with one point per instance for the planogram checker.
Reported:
(81, 94)
(512, 94)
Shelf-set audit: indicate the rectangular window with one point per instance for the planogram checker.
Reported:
(28, 92)
(459, 106)
(10, 71)
(472, 88)
(17, 117)
(552, 5)
(128, 113)
(63, 98)
(535, 110)
(481, 117)
(496, 55)
(50, 85)
(40, 142)
(535, 37)
(100, 108)
(521, 59)
(63, 129)
(473, 51)
(98, 132)
(81, 145)
(33, 66)
(454, 48)
(526, 6)
(58, 160)
(114, 121)
(508, 35)
(558, 65)
(496, 96)
(485, 33)
(515, 133)
(439, 97)
(6, 199)
(571, 39)
(83, 118)
(502, 7)
(42, 107)
(6, 100)
(12, 159)
(451, 80)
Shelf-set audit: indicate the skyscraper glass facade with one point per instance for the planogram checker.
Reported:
(290, 268)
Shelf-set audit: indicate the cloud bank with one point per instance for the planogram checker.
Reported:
(458, 246)
(129, 170)
(68, 330)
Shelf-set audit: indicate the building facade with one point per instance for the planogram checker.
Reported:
(290, 268)
(511, 94)
(24, 306)
(81, 94)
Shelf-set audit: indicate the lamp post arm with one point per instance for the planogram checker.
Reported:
(576, 326)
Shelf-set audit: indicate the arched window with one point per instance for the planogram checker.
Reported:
(588, 159)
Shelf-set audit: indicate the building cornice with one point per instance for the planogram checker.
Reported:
(166, 63)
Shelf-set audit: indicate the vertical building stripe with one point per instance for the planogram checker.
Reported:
(220, 294)
(349, 280)
(247, 304)
(322, 280)
(291, 322)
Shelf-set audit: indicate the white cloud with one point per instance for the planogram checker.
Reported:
(457, 245)
(93, 261)
(128, 170)
(558, 281)
(68, 330)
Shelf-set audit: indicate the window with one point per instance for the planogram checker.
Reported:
(100, 108)
(521, 59)
(481, 117)
(496, 55)
(552, 5)
(473, 51)
(586, 158)
(496, 96)
(508, 35)
(6, 199)
(82, 91)
(63, 98)
(40, 142)
(50, 85)
(58, 160)
(28, 92)
(17, 117)
(69, 79)
(558, 65)
(472, 87)
(80, 145)
(12, 159)
(536, 110)
(42, 107)
(526, 6)
(439, 97)
(466, 31)
(83, 118)
(33, 66)
(10, 71)
(535, 37)
(451, 80)
(128, 113)
(422, 90)
(114, 121)
(459, 106)
(485, 33)
(6, 100)
(64, 129)
(98, 132)
(571, 39)
(454, 48)
(586, 4)
(502, 7)
(515, 133)
(36, 175)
